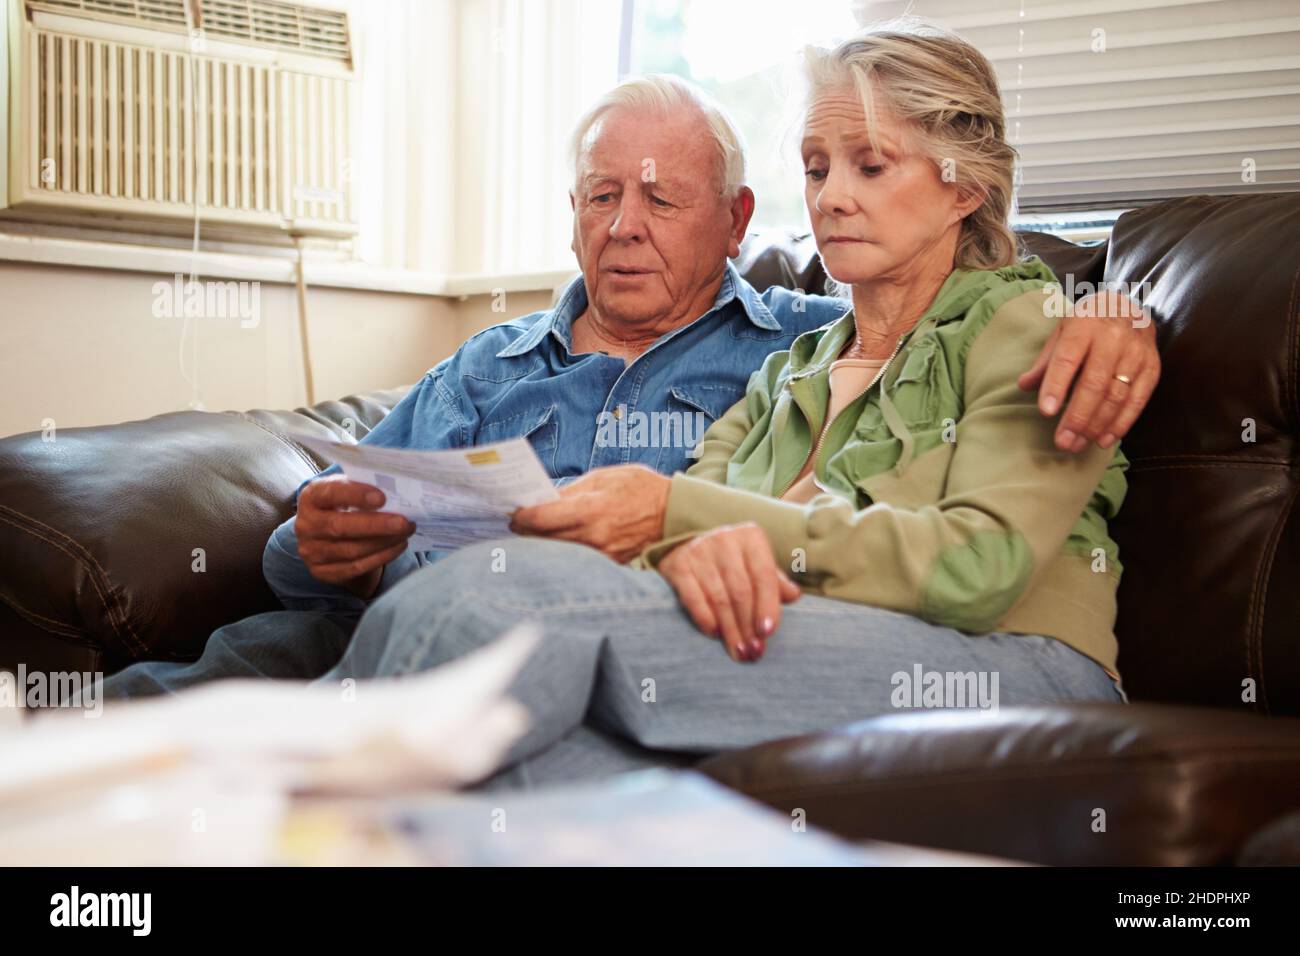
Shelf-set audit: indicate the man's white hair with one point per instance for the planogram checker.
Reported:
(665, 93)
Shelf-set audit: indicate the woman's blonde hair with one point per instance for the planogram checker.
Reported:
(946, 94)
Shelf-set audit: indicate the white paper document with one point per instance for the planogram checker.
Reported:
(455, 497)
(205, 776)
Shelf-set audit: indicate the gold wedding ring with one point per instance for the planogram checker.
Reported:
(1125, 379)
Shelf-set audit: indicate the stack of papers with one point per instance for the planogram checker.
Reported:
(455, 497)
(205, 776)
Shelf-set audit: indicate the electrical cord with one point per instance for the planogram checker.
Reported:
(193, 26)
(302, 321)
(198, 141)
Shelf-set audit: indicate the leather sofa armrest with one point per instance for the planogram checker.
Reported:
(102, 529)
(1080, 269)
(1078, 784)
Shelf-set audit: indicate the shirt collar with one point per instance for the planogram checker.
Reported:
(573, 302)
(733, 286)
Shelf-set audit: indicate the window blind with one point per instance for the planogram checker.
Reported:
(1115, 103)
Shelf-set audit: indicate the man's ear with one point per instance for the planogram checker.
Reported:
(573, 204)
(742, 211)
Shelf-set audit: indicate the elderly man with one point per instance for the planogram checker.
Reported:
(658, 322)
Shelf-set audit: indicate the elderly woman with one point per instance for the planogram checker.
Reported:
(883, 521)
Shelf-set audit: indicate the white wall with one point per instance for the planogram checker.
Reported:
(83, 347)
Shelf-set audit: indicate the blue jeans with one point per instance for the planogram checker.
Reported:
(293, 645)
(623, 679)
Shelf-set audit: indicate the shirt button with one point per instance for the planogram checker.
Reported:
(618, 412)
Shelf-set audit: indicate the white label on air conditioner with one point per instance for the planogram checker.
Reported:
(317, 194)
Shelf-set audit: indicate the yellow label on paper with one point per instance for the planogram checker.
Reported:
(483, 457)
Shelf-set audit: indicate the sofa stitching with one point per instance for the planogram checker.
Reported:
(1142, 466)
(1252, 614)
(96, 574)
(1252, 604)
(44, 623)
(286, 440)
(1293, 314)
(1255, 626)
(1279, 462)
(1255, 632)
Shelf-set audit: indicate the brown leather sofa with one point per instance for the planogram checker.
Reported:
(98, 531)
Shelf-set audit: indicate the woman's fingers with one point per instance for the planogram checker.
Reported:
(733, 563)
(765, 579)
(771, 586)
(730, 585)
(691, 594)
(753, 582)
(715, 588)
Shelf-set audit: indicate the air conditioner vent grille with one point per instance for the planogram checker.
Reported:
(287, 26)
(130, 129)
(152, 12)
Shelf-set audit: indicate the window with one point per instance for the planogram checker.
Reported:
(1111, 103)
(1078, 227)
(742, 55)
(1116, 103)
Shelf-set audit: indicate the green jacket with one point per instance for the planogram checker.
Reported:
(944, 495)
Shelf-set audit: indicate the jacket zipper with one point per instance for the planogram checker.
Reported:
(826, 427)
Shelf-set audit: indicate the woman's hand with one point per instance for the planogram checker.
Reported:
(730, 585)
(617, 510)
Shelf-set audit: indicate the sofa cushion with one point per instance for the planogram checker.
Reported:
(1210, 533)
(1079, 784)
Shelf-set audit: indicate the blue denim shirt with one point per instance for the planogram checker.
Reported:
(522, 379)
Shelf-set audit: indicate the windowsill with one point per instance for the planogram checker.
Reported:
(273, 265)
(1077, 226)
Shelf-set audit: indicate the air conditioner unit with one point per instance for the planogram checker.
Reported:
(128, 110)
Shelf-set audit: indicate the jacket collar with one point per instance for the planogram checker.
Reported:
(814, 351)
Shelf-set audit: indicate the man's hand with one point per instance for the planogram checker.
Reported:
(730, 585)
(617, 510)
(1107, 335)
(344, 546)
